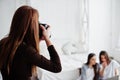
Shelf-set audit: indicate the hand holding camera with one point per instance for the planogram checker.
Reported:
(44, 31)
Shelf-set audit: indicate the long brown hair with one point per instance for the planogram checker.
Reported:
(24, 28)
(104, 53)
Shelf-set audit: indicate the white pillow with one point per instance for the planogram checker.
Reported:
(73, 47)
(68, 48)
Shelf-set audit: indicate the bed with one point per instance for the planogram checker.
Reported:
(70, 68)
(71, 60)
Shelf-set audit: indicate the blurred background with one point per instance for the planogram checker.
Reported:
(78, 28)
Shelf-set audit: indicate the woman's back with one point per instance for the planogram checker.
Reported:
(21, 69)
(26, 57)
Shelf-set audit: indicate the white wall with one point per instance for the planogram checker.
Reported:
(115, 24)
(100, 25)
(62, 15)
(7, 9)
(104, 17)
(116, 29)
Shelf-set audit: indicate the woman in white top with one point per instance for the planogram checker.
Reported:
(108, 68)
(89, 71)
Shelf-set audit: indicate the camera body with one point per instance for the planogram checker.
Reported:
(40, 30)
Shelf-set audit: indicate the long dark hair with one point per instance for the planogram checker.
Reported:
(24, 28)
(95, 67)
(104, 53)
(89, 57)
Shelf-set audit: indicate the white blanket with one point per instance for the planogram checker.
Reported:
(70, 65)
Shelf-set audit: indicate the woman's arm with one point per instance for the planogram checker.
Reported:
(102, 68)
(46, 35)
(53, 65)
(34, 58)
(101, 72)
(83, 73)
(116, 67)
(116, 72)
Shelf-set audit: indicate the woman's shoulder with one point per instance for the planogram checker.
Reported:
(115, 63)
(85, 66)
(3, 40)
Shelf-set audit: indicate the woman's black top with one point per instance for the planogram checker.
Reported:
(26, 57)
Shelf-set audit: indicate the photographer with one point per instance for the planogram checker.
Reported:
(19, 51)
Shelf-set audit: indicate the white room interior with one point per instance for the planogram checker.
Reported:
(79, 27)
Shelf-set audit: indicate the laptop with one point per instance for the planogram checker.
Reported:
(113, 78)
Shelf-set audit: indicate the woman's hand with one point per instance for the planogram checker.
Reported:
(104, 64)
(46, 35)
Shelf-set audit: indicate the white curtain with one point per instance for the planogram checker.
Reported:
(118, 41)
(84, 20)
(115, 24)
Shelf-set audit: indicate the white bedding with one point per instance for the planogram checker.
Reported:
(64, 75)
(72, 57)
(70, 65)
(72, 62)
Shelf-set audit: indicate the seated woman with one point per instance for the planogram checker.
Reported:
(90, 70)
(108, 68)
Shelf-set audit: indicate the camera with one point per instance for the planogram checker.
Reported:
(40, 30)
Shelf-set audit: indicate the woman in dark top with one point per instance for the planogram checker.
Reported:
(19, 51)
